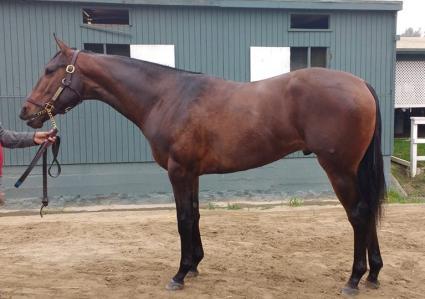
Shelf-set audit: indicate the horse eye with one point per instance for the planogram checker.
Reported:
(48, 71)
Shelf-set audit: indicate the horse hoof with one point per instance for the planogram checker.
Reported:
(372, 284)
(349, 291)
(174, 285)
(192, 274)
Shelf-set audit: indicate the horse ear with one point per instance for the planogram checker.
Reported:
(62, 46)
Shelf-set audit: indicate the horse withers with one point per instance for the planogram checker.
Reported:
(198, 124)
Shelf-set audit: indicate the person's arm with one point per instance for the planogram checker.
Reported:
(12, 139)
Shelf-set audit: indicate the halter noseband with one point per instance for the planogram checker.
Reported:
(48, 107)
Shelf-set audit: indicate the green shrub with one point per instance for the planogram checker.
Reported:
(295, 202)
(233, 206)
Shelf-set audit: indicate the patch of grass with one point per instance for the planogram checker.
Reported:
(415, 187)
(402, 149)
(395, 197)
(295, 202)
(233, 206)
(212, 206)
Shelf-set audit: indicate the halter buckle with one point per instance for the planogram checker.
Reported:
(70, 69)
(49, 107)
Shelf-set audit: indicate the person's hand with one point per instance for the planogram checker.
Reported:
(40, 137)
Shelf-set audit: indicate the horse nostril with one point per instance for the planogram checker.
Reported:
(23, 113)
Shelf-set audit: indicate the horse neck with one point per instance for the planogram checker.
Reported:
(131, 87)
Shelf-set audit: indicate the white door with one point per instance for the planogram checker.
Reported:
(268, 62)
(161, 54)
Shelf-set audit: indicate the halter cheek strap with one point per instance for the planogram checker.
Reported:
(65, 83)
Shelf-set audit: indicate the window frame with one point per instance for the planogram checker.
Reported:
(92, 5)
(290, 29)
(309, 55)
(104, 46)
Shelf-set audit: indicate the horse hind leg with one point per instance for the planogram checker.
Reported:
(346, 188)
(375, 259)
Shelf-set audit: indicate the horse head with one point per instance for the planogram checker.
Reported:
(57, 91)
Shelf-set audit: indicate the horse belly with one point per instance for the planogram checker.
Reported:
(247, 153)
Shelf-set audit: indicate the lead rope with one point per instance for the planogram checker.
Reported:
(42, 151)
(55, 152)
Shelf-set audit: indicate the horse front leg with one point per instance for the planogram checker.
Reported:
(198, 251)
(182, 181)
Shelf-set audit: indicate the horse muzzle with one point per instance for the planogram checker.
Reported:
(24, 115)
(34, 120)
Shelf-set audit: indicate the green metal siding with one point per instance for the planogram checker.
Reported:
(212, 40)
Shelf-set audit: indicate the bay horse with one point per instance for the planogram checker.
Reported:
(197, 124)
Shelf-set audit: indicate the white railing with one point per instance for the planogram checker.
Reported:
(414, 141)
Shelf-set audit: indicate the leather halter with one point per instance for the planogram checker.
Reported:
(49, 106)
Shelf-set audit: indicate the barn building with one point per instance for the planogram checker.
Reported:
(409, 84)
(239, 40)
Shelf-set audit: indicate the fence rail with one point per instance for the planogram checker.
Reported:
(414, 141)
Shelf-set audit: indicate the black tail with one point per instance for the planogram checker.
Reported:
(370, 175)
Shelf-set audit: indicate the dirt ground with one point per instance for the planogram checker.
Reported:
(279, 252)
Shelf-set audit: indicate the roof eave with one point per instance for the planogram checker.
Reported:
(314, 4)
(411, 51)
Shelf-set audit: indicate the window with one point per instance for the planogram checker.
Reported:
(100, 15)
(162, 54)
(309, 21)
(303, 57)
(110, 49)
(118, 49)
(299, 58)
(96, 48)
(318, 57)
(268, 62)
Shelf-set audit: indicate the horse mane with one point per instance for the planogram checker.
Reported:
(150, 64)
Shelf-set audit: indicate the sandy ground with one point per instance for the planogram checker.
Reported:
(280, 252)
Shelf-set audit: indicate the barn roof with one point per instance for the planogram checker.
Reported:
(285, 4)
(411, 45)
